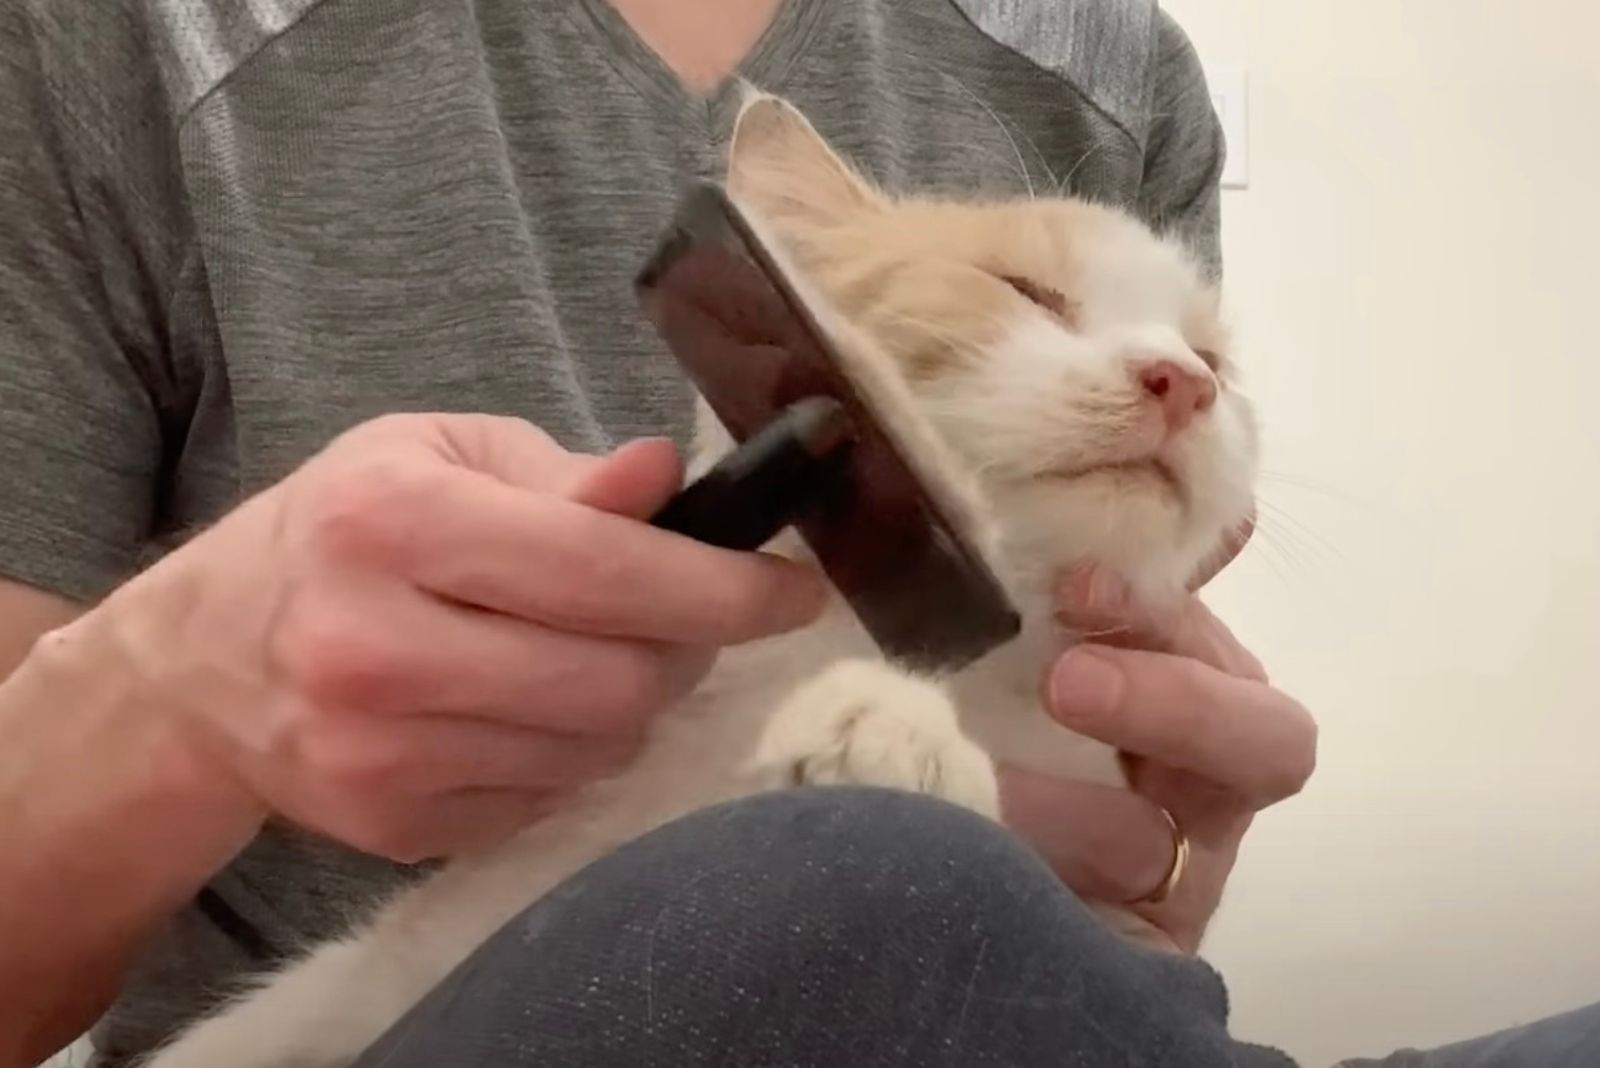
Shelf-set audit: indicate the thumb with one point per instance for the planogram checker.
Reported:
(635, 481)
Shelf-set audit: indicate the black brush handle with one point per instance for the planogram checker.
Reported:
(764, 484)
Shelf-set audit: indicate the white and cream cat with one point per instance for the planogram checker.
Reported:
(1059, 367)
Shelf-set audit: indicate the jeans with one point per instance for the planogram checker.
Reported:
(846, 929)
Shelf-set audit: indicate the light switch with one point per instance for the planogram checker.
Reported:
(1230, 96)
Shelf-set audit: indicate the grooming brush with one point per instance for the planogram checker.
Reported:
(826, 440)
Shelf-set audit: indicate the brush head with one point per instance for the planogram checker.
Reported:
(902, 543)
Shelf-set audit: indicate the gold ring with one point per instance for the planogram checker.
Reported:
(1180, 861)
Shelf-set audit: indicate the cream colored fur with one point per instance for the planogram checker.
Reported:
(1025, 418)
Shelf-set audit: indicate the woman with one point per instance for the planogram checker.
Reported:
(237, 230)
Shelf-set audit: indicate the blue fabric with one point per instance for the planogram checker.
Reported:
(825, 928)
(1571, 1040)
(849, 928)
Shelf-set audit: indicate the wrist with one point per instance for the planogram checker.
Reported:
(113, 822)
(114, 777)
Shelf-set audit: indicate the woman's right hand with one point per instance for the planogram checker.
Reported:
(421, 639)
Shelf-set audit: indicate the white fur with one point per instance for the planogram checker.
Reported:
(819, 706)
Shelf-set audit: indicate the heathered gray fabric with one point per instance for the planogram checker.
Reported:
(230, 229)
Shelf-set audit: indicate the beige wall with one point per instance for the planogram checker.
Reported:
(1413, 270)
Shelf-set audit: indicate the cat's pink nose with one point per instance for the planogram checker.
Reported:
(1182, 393)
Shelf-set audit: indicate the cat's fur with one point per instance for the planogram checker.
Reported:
(1034, 408)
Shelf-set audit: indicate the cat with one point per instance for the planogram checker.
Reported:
(1061, 368)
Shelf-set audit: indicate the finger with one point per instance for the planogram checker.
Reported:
(1198, 634)
(575, 568)
(430, 656)
(1107, 844)
(1100, 606)
(1194, 631)
(470, 821)
(448, 825)
(1173, 710)
(512, 451)
(1211, 815)
(433, 754)
(453, 752)
(635, 481)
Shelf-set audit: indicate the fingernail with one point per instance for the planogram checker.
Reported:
(808, 595)
(1093, 591)
(666, 448)
(1077, 586)
(1084, 685)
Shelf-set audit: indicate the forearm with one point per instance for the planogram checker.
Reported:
(109, 821)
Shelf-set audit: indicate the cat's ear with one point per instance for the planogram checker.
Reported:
(781, 166)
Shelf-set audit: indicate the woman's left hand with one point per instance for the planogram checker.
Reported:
(1203, 735)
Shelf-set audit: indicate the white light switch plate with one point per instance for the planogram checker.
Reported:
(1230, 96)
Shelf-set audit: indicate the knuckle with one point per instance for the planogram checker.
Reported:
(634, 685)
(389, 833)
(513, 425)
(1190, 676)
(1194, 674)
(577, 574)
(589, 761)
(362, 803)
(387, 425)
(359, 764)
(360, 513)
(483, 436)
(623, 753)
(683, 668)
(1250, 667)
(743, 605)
(407, 848)
(329, 658)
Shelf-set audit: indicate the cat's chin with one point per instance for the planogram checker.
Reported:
(1136, 525)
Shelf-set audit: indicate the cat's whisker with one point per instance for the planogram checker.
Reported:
(951, 338)
(960, 340)
(1290, 560)
(1270, 558)
(1022, 165)
(998, 156)
(1301, 482)
(1269, 549)
(1277, 514)
(1300, 549)
(933, 330)
(1062, 186)
(1310, 537)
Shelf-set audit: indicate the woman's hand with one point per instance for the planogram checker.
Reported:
(433, 631)
(1203, 736)
(417, 643)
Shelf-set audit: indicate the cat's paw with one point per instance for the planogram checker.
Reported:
(863, 723)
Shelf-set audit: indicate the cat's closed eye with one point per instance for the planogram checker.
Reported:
(1051, 300)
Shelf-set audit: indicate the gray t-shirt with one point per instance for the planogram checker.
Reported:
(230, 229)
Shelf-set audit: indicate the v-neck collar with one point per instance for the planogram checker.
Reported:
(765, 65)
